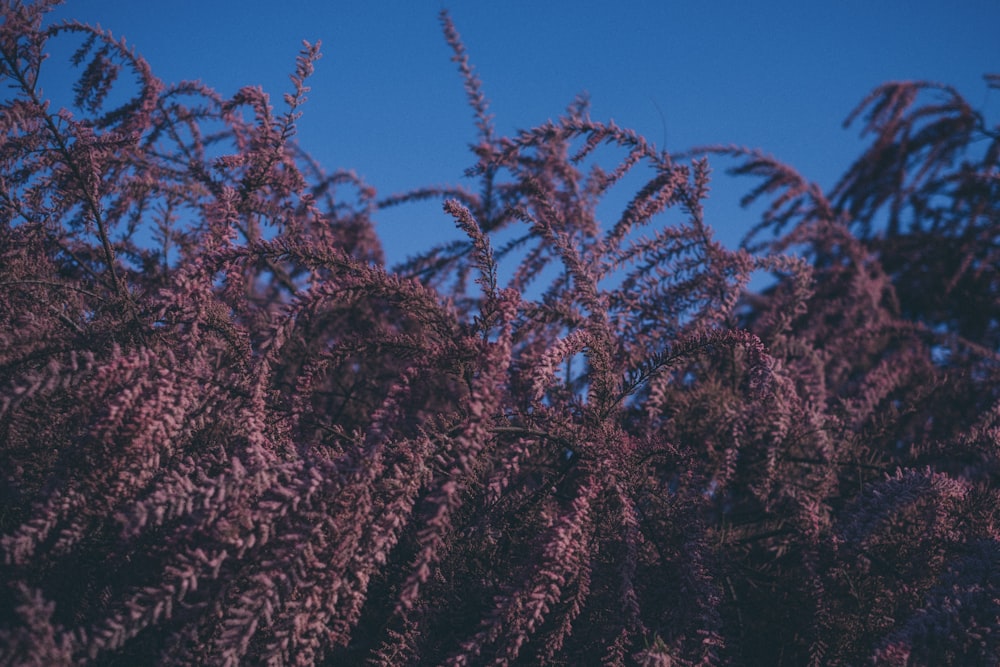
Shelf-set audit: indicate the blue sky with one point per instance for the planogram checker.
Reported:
(387, 102)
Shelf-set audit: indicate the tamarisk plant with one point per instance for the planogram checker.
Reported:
(231, 435)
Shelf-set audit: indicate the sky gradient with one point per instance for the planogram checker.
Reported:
(387, 102)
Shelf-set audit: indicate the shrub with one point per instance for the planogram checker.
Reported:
(231, 435)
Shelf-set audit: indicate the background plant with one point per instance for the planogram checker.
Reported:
(231, 435)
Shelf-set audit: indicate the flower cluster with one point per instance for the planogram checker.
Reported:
(229, 434)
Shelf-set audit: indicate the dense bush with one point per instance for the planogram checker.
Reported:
(230, 435)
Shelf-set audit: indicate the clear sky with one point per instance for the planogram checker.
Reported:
(386, 101)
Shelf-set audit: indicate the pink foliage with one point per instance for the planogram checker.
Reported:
(230, 435)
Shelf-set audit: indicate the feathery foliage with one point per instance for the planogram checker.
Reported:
(230, 435)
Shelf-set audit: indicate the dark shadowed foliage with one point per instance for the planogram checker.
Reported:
(230, 435)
